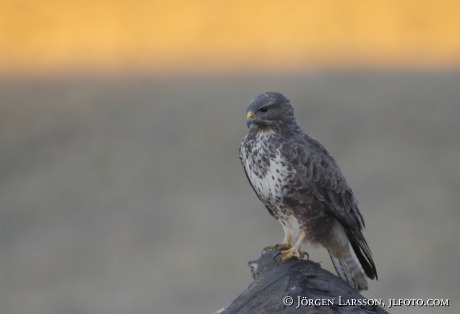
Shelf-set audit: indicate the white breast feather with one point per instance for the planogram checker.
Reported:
(269, 186)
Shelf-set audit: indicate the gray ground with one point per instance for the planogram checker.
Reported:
(126, 195)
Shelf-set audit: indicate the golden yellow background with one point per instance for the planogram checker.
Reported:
(214, 36)
(120, 184)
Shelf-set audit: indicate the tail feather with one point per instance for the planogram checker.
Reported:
(351, 256)
(349, 268)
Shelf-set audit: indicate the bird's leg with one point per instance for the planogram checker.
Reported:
(294, 250)
(285, 245)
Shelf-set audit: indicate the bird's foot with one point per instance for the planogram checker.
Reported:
(289, 253)
(278, 247)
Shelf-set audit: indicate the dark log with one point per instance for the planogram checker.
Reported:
(321, 291)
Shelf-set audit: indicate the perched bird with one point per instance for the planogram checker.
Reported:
(301, 185)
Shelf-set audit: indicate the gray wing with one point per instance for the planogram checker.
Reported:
(321, 176)
(318, 174)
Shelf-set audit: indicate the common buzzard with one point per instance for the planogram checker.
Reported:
(301, 185)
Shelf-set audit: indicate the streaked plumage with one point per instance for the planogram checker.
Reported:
(302, 186)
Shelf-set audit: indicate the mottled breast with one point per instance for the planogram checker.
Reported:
(265, 167)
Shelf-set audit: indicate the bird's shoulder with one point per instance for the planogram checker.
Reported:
(310, 158)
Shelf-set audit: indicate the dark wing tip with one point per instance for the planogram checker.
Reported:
(363, 252)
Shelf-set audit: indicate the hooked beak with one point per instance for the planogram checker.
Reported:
(249, 118)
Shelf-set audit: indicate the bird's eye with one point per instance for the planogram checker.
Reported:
(263, 109)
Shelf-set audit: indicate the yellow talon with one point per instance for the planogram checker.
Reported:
(285, 245)
(292, 251)
(287, 254)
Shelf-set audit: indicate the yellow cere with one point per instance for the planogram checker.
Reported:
(249, 115)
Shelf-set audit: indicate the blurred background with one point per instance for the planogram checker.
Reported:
(120, 185)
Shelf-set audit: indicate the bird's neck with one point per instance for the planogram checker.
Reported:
(283, 129)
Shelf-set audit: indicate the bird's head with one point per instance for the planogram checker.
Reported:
(270, 111)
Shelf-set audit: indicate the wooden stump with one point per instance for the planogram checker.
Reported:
(311, 289)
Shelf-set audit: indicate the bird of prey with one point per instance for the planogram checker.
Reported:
(301, 185)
